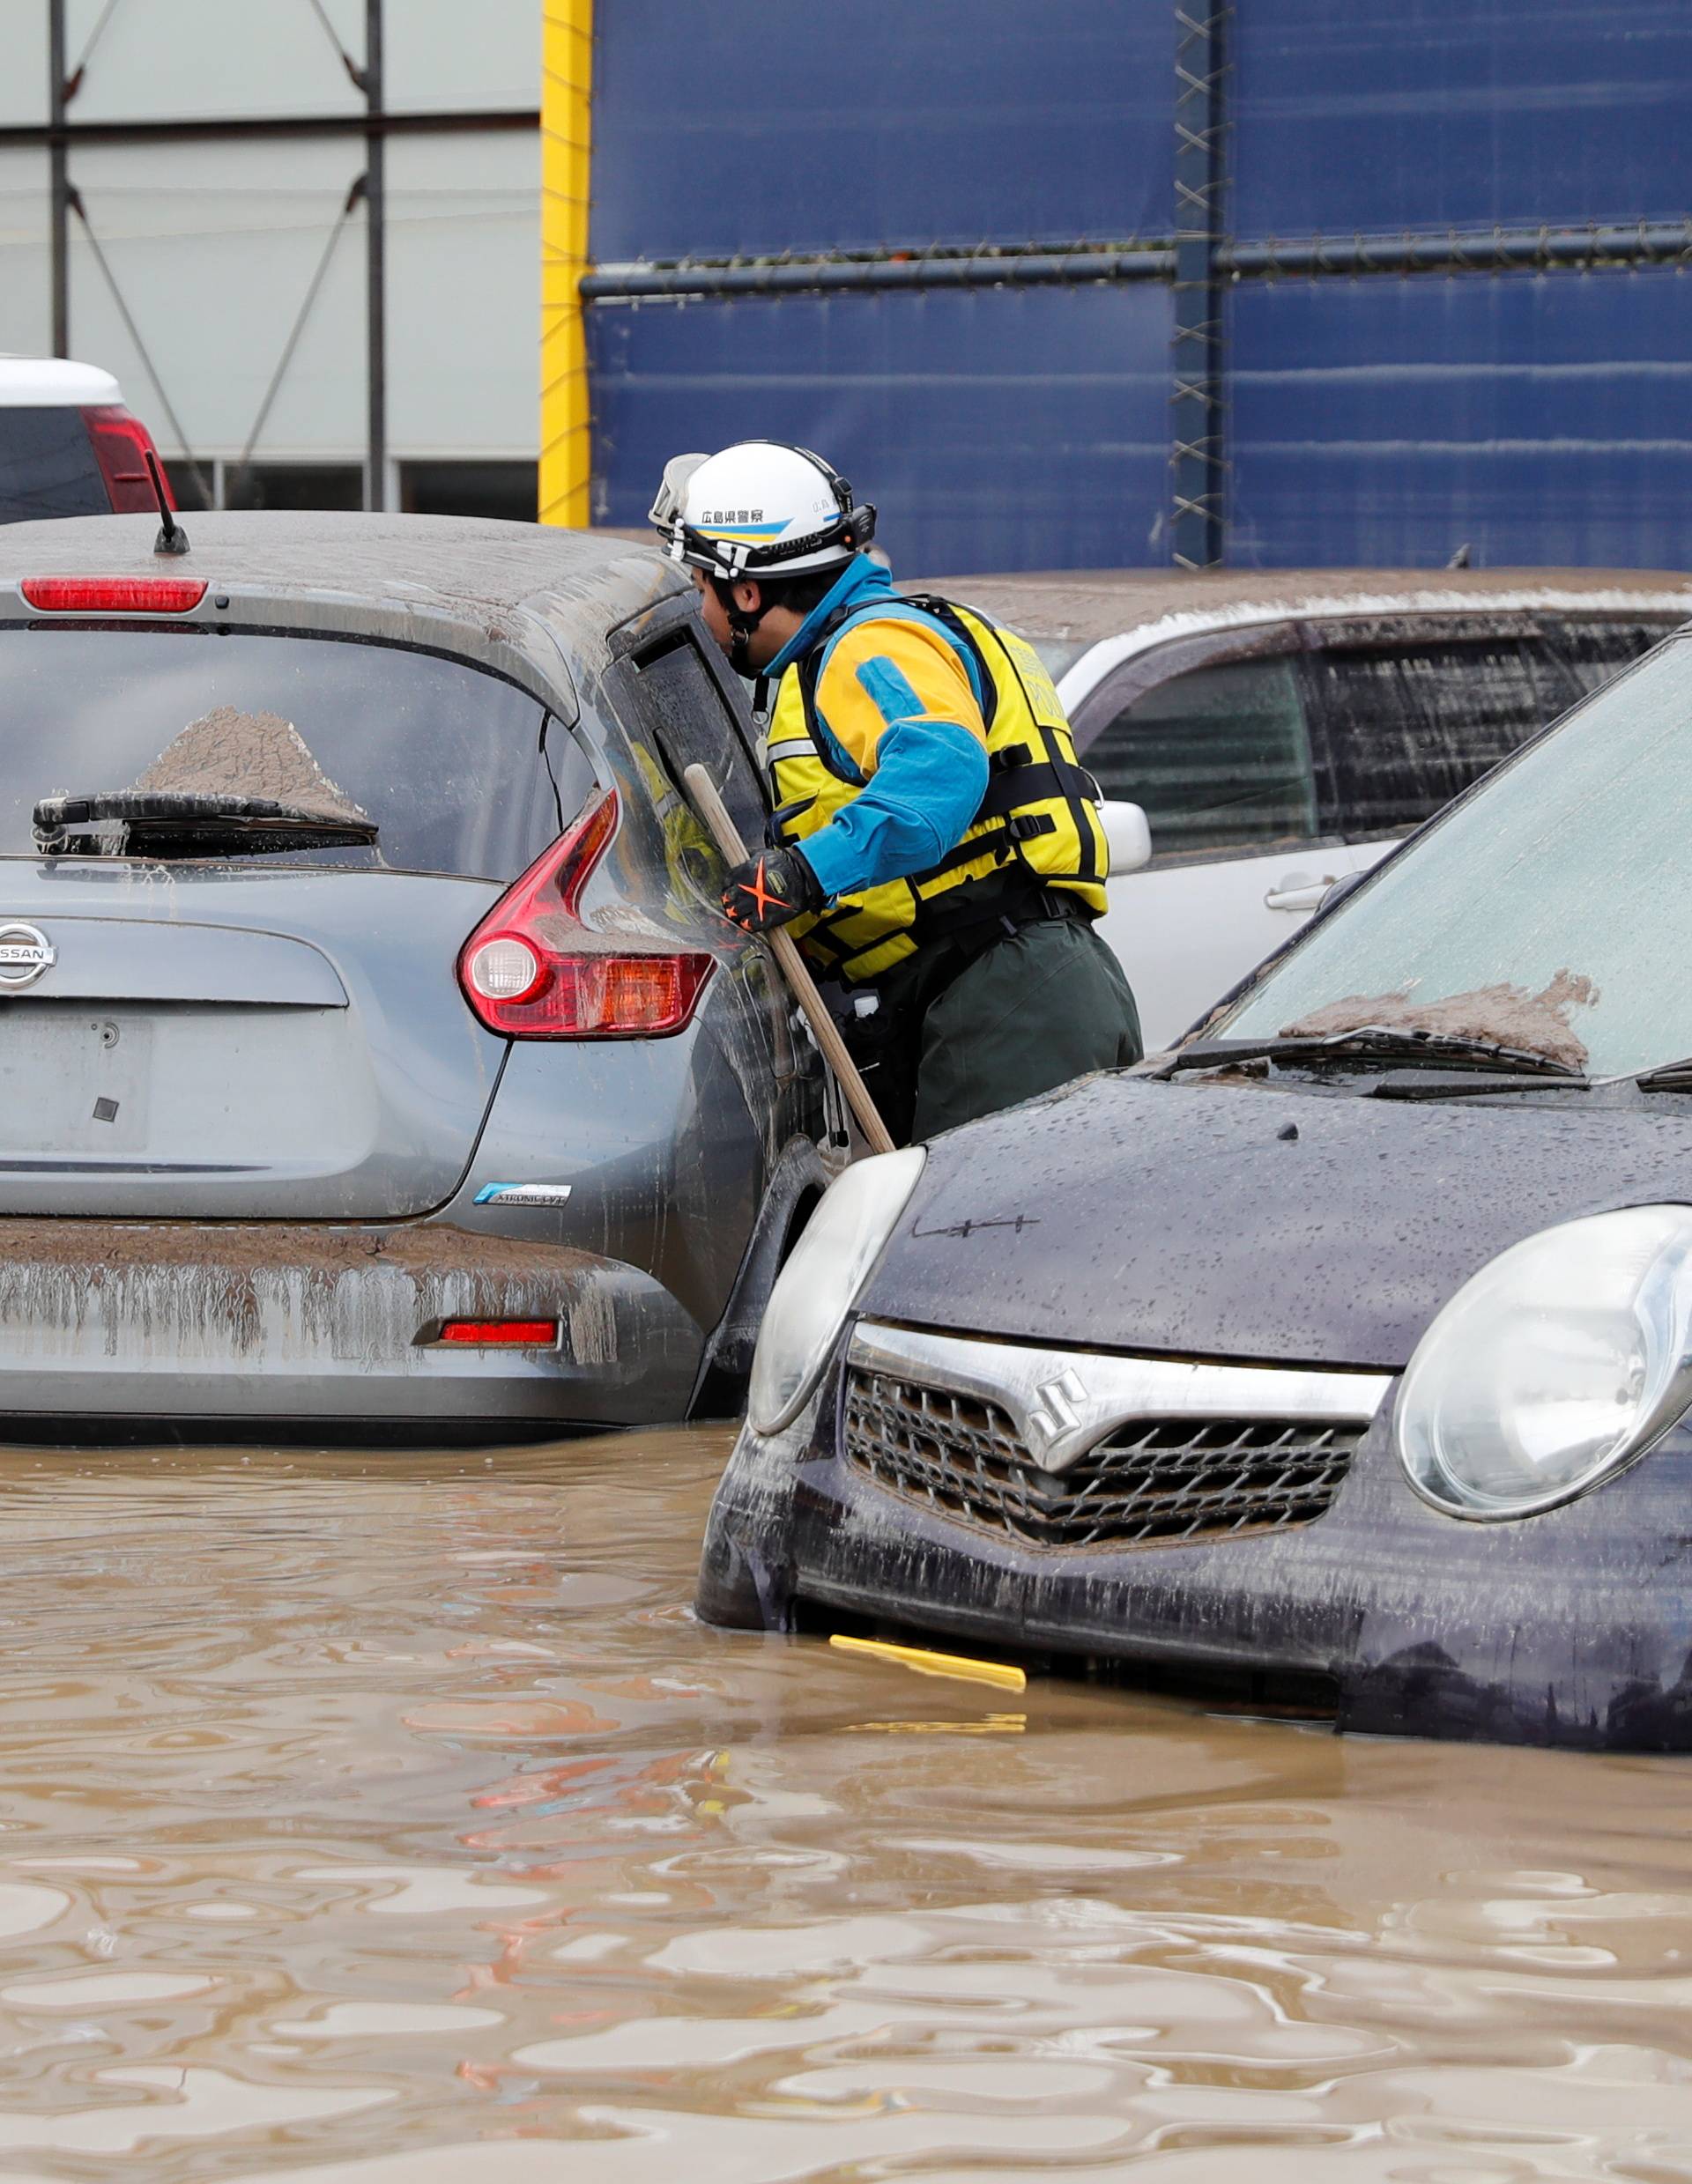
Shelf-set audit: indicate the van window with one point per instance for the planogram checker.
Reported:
(1219, 757)
(1593, 651)
(1398, 729)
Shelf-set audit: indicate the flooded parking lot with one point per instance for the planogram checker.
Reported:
(391, 1819)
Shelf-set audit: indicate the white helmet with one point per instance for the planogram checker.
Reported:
(758, 506)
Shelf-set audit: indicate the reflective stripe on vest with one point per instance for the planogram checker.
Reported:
(1037, 825)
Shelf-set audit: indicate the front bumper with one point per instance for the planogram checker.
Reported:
(253, 1323)
(1570, 1628)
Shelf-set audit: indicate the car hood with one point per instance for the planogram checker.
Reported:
(1233, 1220)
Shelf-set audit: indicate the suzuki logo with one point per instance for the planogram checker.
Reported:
(26, 953)
(1053, 1412)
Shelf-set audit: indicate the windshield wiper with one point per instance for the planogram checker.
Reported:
(1665, 1076)
(160, 824)
(1469, 1081)
(1376, 1043)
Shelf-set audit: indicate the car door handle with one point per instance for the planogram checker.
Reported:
(1298, 891)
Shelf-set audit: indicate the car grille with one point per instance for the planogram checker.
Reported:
(1152, 1481)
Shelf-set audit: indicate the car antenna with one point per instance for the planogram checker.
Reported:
(172, 537)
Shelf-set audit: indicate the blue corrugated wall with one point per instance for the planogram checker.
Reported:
(999, 429)
(1533, 418)
(1535, 415)
(857, 125)
(1384, 114)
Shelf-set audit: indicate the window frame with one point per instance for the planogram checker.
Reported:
(651, 635)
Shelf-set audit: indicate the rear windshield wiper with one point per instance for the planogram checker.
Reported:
(1376, 1043)
(159, 825)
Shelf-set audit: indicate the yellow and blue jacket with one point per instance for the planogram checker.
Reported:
(919, 754)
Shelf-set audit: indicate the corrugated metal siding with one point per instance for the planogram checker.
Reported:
(1384, 114)
(859, 125)
(1536, 419)
(997, 430)
(1389, 419)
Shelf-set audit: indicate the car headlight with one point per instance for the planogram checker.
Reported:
(1562, 1360)
(815, 1289)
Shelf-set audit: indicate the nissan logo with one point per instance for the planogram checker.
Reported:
(26, 954)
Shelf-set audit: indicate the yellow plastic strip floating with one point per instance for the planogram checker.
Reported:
(955, 1665)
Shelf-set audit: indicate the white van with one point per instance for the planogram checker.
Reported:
(1283, 729)
(68, 445)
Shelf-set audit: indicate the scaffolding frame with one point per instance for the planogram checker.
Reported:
(376, 125)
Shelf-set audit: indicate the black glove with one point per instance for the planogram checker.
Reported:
(769, 889)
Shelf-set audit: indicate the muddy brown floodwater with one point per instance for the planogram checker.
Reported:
(389, 1821)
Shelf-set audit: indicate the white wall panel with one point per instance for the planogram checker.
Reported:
(193, 58)
(464, 294)
(441, 54)
(213, 246)
(23, 63)
(25, 278)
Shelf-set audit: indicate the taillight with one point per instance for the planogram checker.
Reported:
(532, 970)
(113, 595)
(121, 444)
(500, 1334)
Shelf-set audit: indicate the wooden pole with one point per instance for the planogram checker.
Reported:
(801, 985)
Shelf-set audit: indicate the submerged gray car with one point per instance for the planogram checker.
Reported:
(372, 1051)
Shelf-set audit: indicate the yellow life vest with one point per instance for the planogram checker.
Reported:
(1037, 825)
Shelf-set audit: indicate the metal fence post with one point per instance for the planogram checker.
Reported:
(59, 170)
(375, 215)
(1197, 461)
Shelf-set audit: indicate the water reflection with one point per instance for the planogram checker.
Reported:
(391, 1820)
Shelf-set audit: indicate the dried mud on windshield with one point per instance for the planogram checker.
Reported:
(227, 752)
(1506, 1014)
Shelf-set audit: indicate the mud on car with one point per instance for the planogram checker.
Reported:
(1341, 1356)
(372, 1051)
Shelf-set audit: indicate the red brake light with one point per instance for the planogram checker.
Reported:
(120, 443)
(112, 595)
(500, 1334)
(532, 970)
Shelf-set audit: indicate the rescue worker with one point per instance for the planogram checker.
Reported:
(935, 845)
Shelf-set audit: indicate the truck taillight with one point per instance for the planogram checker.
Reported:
(120, 443)
(532, 970)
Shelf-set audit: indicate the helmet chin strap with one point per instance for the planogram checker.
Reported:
(742, 627)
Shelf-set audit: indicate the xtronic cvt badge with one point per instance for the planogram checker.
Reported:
(26, 953)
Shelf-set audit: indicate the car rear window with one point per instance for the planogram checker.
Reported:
(448, 760)
(47, 466)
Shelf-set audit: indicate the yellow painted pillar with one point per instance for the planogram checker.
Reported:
(566, 133)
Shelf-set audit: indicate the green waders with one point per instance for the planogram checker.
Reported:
(965, 1029)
